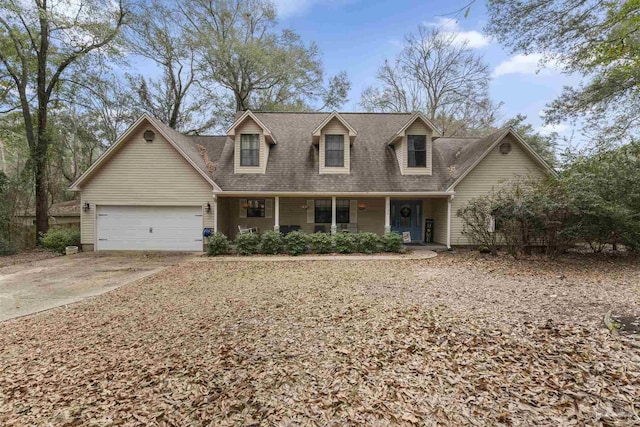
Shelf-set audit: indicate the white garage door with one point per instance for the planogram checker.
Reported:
(152, 228)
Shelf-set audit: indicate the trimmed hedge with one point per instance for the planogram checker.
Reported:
(247, 244)
(271, 243)
(368, 243)
(58, 239)
(392, 242)
(321, 243)
(297, 243)
(218, 244)
(345, 243)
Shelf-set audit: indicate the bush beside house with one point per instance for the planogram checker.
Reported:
(58, 239)
(298, 243)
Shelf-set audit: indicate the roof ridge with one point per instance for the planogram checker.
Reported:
(329, 112)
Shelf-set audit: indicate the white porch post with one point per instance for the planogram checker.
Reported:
(334, 225)
(449, 222)
(387, 214)
(276, 216)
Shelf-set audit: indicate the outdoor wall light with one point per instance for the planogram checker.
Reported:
(86, 207)
(305, 207)
(208, 207)
(149, 135)
(362, 206)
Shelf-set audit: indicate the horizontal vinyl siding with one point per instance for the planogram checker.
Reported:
(439, 215)
(234, 220)
(334, 127)
(149, 174)
(251, 127)
(291, 213)
(494, 170)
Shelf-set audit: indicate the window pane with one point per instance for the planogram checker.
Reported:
(249, 141)
(417, 150)
(342, 211)
(334, 150)
(249, 152)
(323, 211)
(417, 142)
(256, 208)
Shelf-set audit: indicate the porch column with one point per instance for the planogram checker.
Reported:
(387, 214)
(449, 222)
(215, 213)
(334, 225)
(276, 216)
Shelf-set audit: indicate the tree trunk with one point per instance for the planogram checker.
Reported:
(42, 203)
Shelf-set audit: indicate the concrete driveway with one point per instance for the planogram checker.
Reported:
(31, 286)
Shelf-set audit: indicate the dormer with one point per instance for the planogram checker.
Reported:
(413, 145)
(252, 140)
(334, 137)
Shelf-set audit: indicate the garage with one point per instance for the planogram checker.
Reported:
(151, 228)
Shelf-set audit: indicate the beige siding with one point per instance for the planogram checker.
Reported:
(233, 218)
(335, 127)
(493, 170)
(292, 213)
(251, 127)
(439, 216)
(417, 128)
(141, 173)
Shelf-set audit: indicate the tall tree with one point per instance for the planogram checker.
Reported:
(40, 42)
(241, 50)
(435, 73)
(598, 39)
(177, 97)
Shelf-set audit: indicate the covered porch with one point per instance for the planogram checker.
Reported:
(421, 218)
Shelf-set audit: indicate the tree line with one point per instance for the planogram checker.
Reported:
(74, 75)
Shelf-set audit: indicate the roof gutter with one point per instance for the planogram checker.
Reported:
(338, 193)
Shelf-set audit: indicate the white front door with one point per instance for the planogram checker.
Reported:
(151, 228)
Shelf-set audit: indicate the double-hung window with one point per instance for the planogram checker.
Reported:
(255, 208)
(323, 211)
(249, 149)
(417, 151)
(334, 151)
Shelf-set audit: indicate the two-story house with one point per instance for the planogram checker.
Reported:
(157, 189)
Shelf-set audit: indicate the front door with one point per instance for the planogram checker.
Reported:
(406, 215)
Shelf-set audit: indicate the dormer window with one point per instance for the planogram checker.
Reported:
(334, 151)
(249, 149)
(417, 151)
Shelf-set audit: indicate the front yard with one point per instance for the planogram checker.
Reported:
(454, 340)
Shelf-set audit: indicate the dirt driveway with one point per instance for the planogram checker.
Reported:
(33, 284)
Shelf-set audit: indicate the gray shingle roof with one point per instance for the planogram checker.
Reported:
(293, 162)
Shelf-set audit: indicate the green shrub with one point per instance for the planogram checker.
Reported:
(321, 243)
(367, 243)
(218, 244)
(392, 242)
(297, 243)
(58, 239)
(247, 244)
(345, 243)
(7, 247)
(271, 243)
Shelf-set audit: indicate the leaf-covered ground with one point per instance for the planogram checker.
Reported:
(455, 340)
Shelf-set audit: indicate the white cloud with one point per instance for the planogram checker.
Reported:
(524, 64)
(289, 8)
(473, 39)
(549, 129)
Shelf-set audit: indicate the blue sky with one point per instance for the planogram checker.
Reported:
(357, 35)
